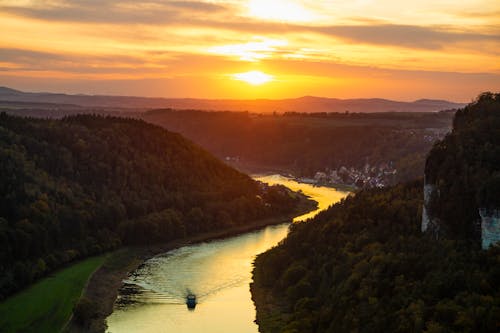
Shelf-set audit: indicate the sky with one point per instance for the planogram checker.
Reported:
(253, 49)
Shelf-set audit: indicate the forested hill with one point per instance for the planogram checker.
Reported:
(364, 265)
(304, 144)
(82, 185)
(462, 172)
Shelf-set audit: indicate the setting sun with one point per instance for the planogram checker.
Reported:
(255, 78)
(168, 48)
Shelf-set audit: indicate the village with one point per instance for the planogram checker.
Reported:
(367, 177)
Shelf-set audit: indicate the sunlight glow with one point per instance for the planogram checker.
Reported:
(256, 50)
(344, 49)
(279, 10)
(253, 77)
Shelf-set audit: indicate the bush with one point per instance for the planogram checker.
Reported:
(85, 310)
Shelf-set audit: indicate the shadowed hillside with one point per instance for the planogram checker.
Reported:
(363, 265)
(79, 186)
(462, 174)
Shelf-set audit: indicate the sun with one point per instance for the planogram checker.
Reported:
(255, 78)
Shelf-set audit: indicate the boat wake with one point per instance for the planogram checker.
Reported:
(203, 270)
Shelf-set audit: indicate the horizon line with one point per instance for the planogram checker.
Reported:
(87, 94)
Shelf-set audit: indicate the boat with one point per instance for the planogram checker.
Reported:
(191, 301)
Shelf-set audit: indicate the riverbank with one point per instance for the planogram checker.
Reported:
(102, 289)
(270, 314)
(34, 309)
(266, 170)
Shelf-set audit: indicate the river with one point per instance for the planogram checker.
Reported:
(217, 272)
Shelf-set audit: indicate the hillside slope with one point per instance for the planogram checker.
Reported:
(86, 184)
(304, 144)
(364, 266)
(462, 175)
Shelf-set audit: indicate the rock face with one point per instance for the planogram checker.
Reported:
(428, 189)
(429, 223)
(490, 227)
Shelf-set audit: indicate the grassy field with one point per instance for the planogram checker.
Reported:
(47, 305)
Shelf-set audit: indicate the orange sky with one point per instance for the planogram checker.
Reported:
(252, 49)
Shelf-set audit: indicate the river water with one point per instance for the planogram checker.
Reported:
(217, 272)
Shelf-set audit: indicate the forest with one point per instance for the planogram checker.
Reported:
(465, 168)
(86, 184)
(363, 265)
(292, 142)
(304, 144)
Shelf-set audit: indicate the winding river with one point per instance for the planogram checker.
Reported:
(218, 272)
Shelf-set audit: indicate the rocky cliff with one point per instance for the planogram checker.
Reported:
(429, 223)
(462, 176)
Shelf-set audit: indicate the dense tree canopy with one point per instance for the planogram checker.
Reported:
(363, 265)
(307, 143)
(299, 143)
(465, 167)
(82, 185)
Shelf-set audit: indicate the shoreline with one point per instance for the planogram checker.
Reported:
(269, 313)
(103, 286)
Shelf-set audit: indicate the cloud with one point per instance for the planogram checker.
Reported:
(408, 36)
(197, 6)
(31, 56)
(202, 14)
(112, 11)
(29, 60)
(147, 64)
(495, 14)
(27, 56)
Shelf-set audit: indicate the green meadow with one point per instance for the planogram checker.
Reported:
(47, 305)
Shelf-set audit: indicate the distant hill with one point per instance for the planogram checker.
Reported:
(302, 104)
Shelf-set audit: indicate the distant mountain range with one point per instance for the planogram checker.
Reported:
(302, 104)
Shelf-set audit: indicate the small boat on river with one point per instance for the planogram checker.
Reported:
(191, 301)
